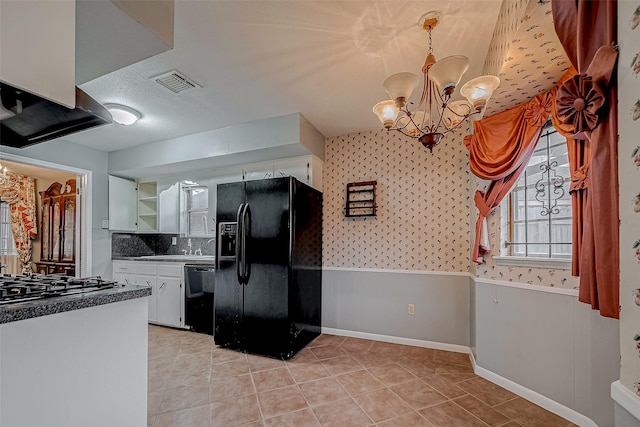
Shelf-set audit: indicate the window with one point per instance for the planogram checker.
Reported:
(7, 246)
(197, 203)
(539, 206)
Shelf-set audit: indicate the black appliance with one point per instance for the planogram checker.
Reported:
(27, 119)
(198, 302)
(269, 266)
(29, 287)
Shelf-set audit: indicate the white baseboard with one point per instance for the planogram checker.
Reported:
(397, 340)
(525, 393)
(535, 397)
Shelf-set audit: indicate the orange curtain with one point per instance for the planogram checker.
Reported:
(587, 30)
(19, 192)
(499, 150)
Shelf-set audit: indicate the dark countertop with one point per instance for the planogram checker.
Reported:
(201, 260)
(14, 312)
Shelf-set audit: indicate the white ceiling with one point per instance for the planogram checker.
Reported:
(260, 59)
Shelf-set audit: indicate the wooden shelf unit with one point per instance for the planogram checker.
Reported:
(361, 199)
(58, 229)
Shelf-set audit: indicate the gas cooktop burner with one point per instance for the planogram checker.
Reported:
(36, 286)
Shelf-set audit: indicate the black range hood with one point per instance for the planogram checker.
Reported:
(27, 119)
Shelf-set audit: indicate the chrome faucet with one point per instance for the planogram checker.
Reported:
(189, 245)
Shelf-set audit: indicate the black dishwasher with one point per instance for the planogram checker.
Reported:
(199, 288)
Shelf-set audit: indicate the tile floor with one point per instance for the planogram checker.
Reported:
(334, 381)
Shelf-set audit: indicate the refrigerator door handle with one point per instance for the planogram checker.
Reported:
(239, 242)
(246, 231)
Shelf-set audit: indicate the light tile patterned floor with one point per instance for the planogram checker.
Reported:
(334, 381)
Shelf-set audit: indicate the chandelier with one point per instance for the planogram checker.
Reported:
(434, 116)
(4, 174)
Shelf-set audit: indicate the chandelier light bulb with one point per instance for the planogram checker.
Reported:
(413, 125)
(479, 90)
(387, 111)
(400, 86)
(447, 72)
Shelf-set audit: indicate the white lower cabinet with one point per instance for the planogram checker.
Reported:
(166, 303)
(124, 272)
(144, 279)
(170, 295)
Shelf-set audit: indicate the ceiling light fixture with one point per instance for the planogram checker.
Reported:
(434, 116)
(123, 115)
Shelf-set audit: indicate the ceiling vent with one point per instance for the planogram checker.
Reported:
(175, 81)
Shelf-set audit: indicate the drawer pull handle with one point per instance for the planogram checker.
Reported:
(163, 285)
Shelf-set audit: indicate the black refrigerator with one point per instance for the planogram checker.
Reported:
(269, 266)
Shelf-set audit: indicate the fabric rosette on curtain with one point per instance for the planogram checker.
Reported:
(586, 113)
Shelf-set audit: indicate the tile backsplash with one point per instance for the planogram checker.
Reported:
(134, 245)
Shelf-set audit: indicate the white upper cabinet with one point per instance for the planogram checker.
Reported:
(307, 169)
(257, 171)
(123, 203)
(147, 206)
(163, 205)
(169, 209)
(133, 206)
(38, 45)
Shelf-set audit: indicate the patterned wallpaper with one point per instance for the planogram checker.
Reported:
(552, 277)
(509, 20)
(422, 220)
(629, 177)
(533, 60)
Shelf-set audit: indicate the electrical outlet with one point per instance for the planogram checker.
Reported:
(411, 309)
(105, 224)
(174, 241)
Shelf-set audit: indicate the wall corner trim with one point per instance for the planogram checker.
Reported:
(389, 270)
(532, 396)
(526, 286)
(625, 398)
(537, 398)
(397, 340)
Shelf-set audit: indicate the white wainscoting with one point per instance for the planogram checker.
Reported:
(538, 342)
(546, 341)
(372, 301)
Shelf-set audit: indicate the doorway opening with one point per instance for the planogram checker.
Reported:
(62, 243)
